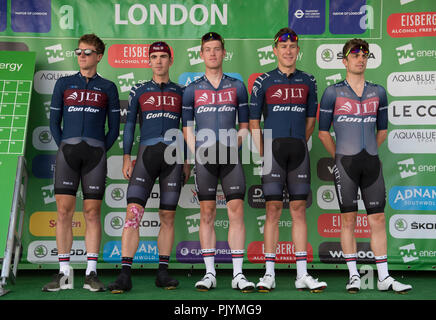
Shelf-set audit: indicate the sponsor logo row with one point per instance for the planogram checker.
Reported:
(401, 226)
(190, 252)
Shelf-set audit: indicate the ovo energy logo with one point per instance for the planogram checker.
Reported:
(266, 55)
(405, 54)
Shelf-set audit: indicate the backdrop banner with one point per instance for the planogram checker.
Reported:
(401, 34)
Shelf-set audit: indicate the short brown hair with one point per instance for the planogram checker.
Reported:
(92, 39)
(210, 36)
(354, 43)
(283, 31)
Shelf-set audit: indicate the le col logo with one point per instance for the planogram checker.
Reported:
(419, 112)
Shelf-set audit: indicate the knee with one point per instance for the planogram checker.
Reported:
(134, 215)
(348, 222)
(92, 215)
(207, 215)
(298, 212)
(167, 219)
(377, 220)
(65, 214)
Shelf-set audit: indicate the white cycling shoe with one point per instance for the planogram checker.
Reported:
(241, 283)
(353, 285)
(208, 282)
(266, 284)
(307, 282)
(390, 283)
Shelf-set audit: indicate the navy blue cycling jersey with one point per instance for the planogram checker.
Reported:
(285, 101)
(82, 108)
(161, 107)
(215, 108)
(354, 118)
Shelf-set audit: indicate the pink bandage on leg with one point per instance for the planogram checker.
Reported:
(136, 213)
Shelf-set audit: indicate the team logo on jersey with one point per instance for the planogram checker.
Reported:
(353, 107)
(151, 100)
(284, 93)
(85, 97)
(169, 101)
(207, 97)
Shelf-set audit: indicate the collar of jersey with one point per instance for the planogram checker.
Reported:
(284, 74)
(83, 77)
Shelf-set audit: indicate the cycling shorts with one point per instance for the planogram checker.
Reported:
(288, 164)
(150, 165)
(225, 165)
(80, 162)
(361, 170)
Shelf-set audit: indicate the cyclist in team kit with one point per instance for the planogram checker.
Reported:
(358, 111)
(80, 105)
(215, 101)
(159, 104)
(287, 98)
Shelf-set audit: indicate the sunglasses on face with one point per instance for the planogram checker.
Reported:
(87, 52)
(212, 36)
(285, 37)
(357, 49)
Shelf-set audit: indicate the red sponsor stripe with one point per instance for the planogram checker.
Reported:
(212, 97)
(167, 101)
(347, 106)
(82, 97)
(287, 94)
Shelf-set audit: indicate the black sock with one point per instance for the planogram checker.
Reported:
(126, 265)
(163, 262)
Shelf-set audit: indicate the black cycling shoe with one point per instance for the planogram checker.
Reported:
(121, 285)
(163, 280)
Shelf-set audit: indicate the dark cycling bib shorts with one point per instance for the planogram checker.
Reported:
(226, 167)
(80, 162)
(291, 167)
(362, 170)
(150, 165)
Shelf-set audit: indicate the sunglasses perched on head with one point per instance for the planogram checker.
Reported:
(212, 36)
(87, 52)
(357, 49)
(285, 37)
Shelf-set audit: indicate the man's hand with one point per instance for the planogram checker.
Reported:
(127, 167)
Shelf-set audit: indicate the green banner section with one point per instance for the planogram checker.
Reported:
(16, 76)
(402, 55)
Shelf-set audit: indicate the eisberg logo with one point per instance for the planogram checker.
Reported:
(413, 198)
